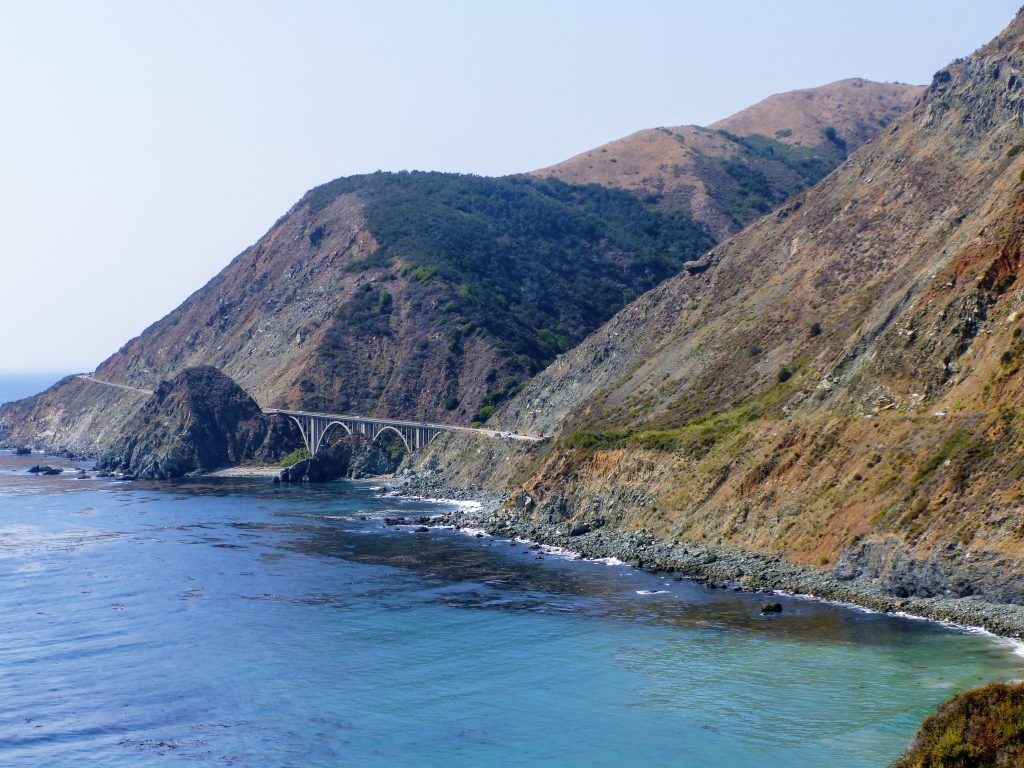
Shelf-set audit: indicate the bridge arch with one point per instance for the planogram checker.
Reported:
(314, 431)
(389, 428)
(313, 427)
(327, 429)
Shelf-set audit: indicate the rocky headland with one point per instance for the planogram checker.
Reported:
(198, 421)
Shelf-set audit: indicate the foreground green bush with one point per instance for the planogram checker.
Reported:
(976, 729)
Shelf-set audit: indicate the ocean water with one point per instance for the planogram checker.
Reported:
(14, 386)
(232, 622)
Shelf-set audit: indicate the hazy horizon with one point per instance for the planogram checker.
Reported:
(147, 145)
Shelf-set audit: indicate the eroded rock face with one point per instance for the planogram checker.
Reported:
(198, 421)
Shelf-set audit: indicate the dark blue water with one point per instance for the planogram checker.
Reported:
(235, 623)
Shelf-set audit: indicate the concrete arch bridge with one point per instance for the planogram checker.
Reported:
(314, 427)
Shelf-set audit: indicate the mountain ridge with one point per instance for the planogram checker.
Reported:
(690, 166)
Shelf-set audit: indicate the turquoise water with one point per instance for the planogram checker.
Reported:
(235, 623)
(14, 386)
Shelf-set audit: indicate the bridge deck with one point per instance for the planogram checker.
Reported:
(417, 424)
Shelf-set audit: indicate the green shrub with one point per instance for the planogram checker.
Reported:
(951, 446)
(299, 454)
(586, 440)
(834, 138)
(423, 274)
(815, 329)
(1014, 150)
(484, 414)
(451, 403)
(698, 436)
(785, 374)
(982, 728)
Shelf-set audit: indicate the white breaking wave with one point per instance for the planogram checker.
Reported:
(607, 560)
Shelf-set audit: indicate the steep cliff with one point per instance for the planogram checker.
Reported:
(841, 382)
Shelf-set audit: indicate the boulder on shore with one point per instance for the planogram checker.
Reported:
(349, 456)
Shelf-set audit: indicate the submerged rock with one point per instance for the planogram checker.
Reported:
(45, 469)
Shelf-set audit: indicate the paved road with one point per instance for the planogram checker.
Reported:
(90, 377)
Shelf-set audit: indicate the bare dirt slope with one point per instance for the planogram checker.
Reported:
(695, 168)
(854, 108)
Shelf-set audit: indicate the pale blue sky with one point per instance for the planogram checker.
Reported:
(144, 144)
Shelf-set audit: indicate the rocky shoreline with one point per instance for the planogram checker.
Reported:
(717, 567)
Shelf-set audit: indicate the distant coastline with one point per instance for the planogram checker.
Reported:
(15, 386)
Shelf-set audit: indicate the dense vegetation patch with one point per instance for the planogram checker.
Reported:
(535, 264)
(976, 729)
(694, 438)
(532, 264)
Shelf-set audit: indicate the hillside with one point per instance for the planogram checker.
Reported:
(433, 296)
(738, 168)
(841, 383)
(418, 295)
